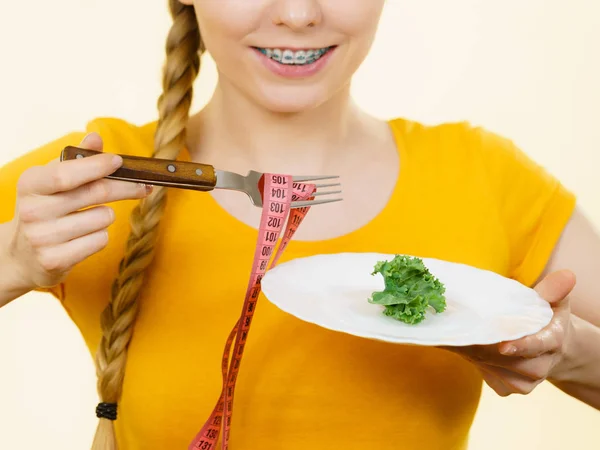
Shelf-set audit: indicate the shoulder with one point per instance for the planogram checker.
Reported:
(460, 137)
(466, 146)
(475, 149)
(119, 136)
(461, 148)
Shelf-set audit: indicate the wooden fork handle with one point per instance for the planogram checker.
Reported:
(154, 171)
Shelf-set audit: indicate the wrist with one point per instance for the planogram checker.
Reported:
(14, 282)
(578, 373)
(580, 353)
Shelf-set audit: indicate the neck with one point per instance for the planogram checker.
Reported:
(235, 131)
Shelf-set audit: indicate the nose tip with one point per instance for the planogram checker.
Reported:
(298, 14)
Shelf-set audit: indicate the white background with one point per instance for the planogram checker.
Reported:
(528, 70)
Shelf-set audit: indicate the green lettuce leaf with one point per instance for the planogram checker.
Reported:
(409, 289)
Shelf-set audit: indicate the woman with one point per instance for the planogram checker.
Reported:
(157, 317)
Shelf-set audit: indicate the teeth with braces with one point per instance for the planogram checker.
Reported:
(290, 57)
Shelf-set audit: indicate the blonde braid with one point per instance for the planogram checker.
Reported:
(183, 51)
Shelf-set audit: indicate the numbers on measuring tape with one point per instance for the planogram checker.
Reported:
(274, 222)
(270, 236)
(279, 179)
(263, 264)
(204, 445)
(266, 250)
(278, 193)
(212, 433)
(277, 207)
(299, 187)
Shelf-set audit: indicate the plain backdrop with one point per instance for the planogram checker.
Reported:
(528, 70)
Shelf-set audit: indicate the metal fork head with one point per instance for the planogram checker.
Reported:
(253, 178)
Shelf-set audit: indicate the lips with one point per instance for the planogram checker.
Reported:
(295, 63)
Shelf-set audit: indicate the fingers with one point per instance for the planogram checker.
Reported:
(58, 223)
(531, 369)
(521, 365)
(506, 375)
(549, 340)
(96, 193)
(505, 382)
(73, 226)
(482, 353)
(60, 188)
(100, 192)
(536, 356)
(61, 258)
(555, 289)
(68, 175)
(494, 382)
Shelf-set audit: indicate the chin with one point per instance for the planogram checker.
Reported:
(291, 100)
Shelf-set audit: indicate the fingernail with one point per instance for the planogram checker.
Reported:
(510, 350)
(117, 161)
(147, 187)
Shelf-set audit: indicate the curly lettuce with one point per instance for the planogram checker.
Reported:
(409, 289)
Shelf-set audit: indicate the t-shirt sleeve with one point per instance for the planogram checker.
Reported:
(11, 172)
(533, 206)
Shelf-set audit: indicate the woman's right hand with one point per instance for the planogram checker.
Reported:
(58, 221)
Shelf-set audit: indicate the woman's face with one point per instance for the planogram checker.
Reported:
(288, 55)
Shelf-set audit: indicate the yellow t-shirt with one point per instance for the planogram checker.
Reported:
(463, 194)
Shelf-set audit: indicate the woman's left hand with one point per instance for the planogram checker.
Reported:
(518, 367)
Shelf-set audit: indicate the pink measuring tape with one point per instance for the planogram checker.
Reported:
(278, 193)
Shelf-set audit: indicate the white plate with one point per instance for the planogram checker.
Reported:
(332, 291)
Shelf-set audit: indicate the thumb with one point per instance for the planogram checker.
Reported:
(92, 141)
(556, 286)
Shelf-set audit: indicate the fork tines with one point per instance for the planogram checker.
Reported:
(304, 179)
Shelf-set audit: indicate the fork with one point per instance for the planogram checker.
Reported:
(200, 177)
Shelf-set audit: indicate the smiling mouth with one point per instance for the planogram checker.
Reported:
(294, 58)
